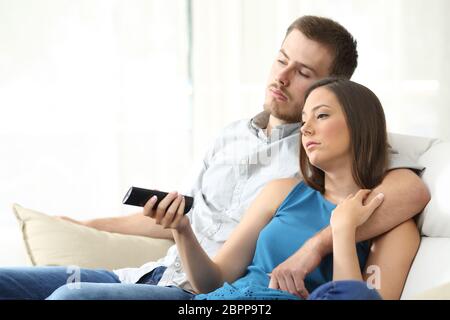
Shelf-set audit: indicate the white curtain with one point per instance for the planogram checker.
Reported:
(403, 47)
(94, 98)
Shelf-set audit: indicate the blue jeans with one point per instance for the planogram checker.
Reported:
(344, 290)
(62, 283)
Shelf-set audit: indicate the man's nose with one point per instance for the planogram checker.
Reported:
(283, 77)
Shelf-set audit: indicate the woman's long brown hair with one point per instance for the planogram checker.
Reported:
(368, 137)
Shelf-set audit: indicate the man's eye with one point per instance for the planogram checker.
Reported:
(302, 123)
(282, 62)
(303, 74)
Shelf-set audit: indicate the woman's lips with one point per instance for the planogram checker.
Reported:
(311, 145)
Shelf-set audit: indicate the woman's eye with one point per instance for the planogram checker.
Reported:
(282, 62)
(322, 115)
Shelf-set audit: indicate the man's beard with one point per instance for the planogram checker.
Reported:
(281, 113)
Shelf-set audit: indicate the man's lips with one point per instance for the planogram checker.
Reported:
(278, 94)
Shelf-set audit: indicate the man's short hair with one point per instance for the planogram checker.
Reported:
(335, 37)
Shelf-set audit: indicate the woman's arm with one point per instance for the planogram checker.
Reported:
(345, 258)
(203, 274)
(345, 219)
(230, 263)
(390, 259)
(201, 270)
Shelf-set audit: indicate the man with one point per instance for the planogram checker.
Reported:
(246, 156)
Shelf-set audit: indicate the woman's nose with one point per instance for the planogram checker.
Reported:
(306, 129)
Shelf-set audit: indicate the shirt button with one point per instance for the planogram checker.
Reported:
(177, 265)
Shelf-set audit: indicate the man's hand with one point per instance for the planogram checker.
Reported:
(290, 275)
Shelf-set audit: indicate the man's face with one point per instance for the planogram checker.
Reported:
(299, 63)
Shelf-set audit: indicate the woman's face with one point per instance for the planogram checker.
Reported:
(325, 135)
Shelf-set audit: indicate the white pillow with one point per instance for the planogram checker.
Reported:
(435, 219)
(51, 241)
(409, 146)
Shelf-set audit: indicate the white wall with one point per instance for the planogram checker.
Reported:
(94, 98)
(403, 47)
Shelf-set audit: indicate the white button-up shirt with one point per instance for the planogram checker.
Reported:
(242, 160)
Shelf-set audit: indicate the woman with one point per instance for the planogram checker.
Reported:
(343, 155)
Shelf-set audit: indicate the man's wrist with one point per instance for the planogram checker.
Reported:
(322, 242)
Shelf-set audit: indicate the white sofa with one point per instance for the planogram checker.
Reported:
(51, 241)
(431, 267)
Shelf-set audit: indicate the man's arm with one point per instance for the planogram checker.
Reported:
(133, 224)
(405, 195)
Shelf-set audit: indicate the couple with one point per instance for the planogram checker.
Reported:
(343, 154)
(348, 153)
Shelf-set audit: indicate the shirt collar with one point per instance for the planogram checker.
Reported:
(259, 122)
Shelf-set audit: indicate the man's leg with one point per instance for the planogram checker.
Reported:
(344, 290)
(39, 282)
(107, 291)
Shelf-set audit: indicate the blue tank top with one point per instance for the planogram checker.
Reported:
(302, 214)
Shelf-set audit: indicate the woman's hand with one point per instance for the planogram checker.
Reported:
(351, 213)
(169, 213)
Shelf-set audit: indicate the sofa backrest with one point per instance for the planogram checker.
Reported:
(435, 219)
(434, 155)
(412, 147)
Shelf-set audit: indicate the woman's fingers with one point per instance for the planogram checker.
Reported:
(148, 207)
(362, 194)
(163, 206)
(171, 211)
(376, 202)
(180, 213)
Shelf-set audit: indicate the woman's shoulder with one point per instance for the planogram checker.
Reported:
(280, 188)
(283, 184)
(277, 190)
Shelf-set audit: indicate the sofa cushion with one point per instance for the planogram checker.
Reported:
(435, 219)
(51, 241)
(412, 147)
(441, 292)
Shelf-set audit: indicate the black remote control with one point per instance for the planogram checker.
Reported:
(139, 197)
